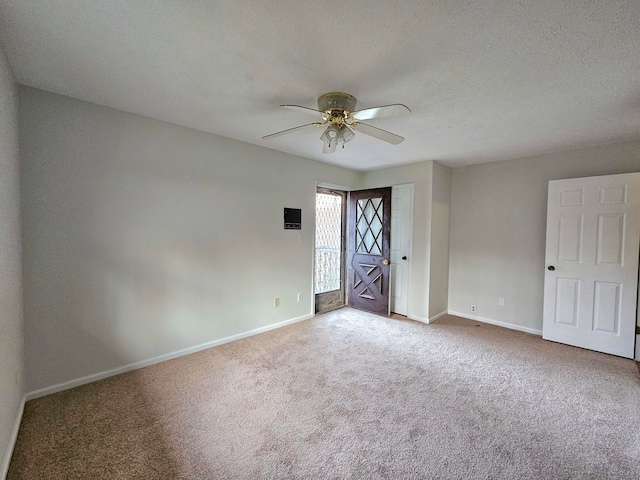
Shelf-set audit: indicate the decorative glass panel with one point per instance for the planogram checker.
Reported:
(369, 226)
(328, 242)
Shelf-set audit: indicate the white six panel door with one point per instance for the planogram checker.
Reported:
(591, 280)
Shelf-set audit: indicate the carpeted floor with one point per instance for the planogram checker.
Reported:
(349, 395)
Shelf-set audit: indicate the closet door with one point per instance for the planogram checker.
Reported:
(591, 276)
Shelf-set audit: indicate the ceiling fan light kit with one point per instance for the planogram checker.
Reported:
(337, 111)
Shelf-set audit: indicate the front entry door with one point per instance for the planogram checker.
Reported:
(369, 242)
(590, 287)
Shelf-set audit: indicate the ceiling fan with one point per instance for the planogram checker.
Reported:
(337, 111)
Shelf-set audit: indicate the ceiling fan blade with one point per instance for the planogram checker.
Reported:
(384, 111)
(299, 108)
(378, 133)
(289, 130)
(327, 149)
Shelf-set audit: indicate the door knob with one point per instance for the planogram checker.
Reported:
(551, 267)
(404, 258)
(385, 262)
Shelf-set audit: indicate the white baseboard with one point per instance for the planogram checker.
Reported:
(427, 320)
(162, 358)
(497, 323)
(418, 319)
(437, 316)
(12, 441)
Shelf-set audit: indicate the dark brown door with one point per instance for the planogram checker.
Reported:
(369, 242)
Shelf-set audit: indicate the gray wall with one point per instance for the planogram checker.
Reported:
(498, 226)
(143, 238)
(439, 246)
(11, 331)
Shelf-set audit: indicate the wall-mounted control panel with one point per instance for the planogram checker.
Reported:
(293, 219)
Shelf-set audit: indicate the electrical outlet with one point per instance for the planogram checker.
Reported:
(276, 302)
(473, 308)
(501, 302)
(299, 297)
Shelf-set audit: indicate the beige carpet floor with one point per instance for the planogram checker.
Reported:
(349, 395)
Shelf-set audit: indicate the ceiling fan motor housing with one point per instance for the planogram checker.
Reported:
(336, 100)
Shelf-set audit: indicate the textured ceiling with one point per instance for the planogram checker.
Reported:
(486, 80)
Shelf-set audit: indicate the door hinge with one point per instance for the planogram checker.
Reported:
(637, 329)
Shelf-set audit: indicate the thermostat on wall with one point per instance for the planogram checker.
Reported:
(292, 219)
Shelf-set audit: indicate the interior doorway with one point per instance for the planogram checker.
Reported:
(330, 246)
